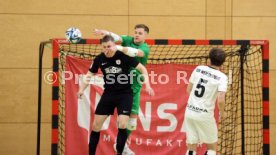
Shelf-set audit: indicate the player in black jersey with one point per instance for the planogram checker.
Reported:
(115, 67)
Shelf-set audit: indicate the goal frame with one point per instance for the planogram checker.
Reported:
(265, 79)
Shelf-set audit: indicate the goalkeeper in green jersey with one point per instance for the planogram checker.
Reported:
(135, 47)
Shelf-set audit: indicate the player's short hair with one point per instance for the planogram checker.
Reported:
(107, 38)
(145, 27)
(217, 56)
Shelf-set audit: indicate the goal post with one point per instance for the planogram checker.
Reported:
(245, 130)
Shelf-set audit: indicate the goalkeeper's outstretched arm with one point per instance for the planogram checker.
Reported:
(116, 37)
(132, 52)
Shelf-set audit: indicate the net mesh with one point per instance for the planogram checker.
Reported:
(239, 126)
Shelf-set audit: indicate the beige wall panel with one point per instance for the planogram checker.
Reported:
(102, 7)
(216, 7)
(18, 95)
(47, 56)
(167, 7)
(272, 96)
(228, 9)
(261, 28)
(172, 27)
(215, 28)
(272, 138)
(228, 28)
(219, 7)
(219, 28)
(45, 139)
(20, 139)
(26, 31)
(254, 8)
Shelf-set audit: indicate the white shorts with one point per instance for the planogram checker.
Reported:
(201, 131)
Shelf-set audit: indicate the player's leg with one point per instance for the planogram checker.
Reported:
(95, 134)
(124, 109)
(192, 138)
(191, 149)
(211, 149)
(132, 123)
(122, 133)
(208, 134)
(103, 110)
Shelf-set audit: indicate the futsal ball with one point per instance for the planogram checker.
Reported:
(73, 35)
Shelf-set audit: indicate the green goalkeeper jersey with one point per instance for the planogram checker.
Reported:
(129, 42)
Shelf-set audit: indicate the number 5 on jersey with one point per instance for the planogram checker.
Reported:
(200, 88)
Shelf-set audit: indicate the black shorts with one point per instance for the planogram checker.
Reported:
(109, 102)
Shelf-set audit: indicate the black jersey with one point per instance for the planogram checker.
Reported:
(116, 71)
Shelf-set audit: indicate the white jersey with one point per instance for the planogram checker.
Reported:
(207, 82)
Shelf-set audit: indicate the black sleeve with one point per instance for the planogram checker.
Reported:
(95, 66)
(132, 61)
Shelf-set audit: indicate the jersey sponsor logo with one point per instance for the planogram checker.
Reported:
(104, 63)
(118, 62)
(196, 109)
(124, 111)
(113, 70)
(208, 74)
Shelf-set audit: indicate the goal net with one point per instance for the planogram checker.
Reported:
(245, 130)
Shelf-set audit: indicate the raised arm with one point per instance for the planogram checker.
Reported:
(144, 72)
(130, 51)
(117, 38)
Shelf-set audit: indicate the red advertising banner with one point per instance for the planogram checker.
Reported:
(160, 128)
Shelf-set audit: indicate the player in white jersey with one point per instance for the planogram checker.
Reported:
(207, 85)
